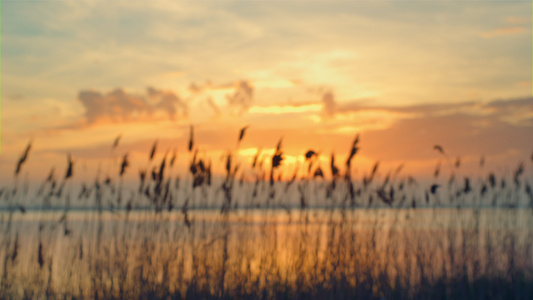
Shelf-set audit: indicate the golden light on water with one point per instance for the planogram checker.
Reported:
(298, 247)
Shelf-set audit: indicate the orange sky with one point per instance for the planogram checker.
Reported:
(404, 75)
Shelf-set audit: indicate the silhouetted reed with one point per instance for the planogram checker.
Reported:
(270, 232)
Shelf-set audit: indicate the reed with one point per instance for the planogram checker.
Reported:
(251, 234)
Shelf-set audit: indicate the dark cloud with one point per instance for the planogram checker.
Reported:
(329, 106)
(169, 102)
(500, 108)
(469, 130)
(118, 105)
(460, 134)
(473, 128)
(506, 105)
(242, 97)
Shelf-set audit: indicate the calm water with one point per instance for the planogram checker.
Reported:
(72, 246)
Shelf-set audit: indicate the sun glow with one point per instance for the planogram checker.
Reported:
(286, 109)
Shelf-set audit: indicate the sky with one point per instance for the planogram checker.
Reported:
(404, 75)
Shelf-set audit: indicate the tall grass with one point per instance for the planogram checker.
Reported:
(263, 232)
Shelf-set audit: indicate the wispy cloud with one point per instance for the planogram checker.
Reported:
(505, 31)
(328, 104)
(286, 109)
(242, 97)
(523, 83)
(517, 20)
(214, 106)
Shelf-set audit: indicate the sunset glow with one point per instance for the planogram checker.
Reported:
(403, 75)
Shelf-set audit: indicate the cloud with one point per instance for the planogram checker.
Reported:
(119, 106)
(468, 128)
(329, 105)
(213, 105)
(302, 108)
(506, 31)
(226, 97)
(521, 109)
(242, 97)
(517, 20)
(512, 104)
(195, 88)
(168, 101)
(523, 83)
(460, 132)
